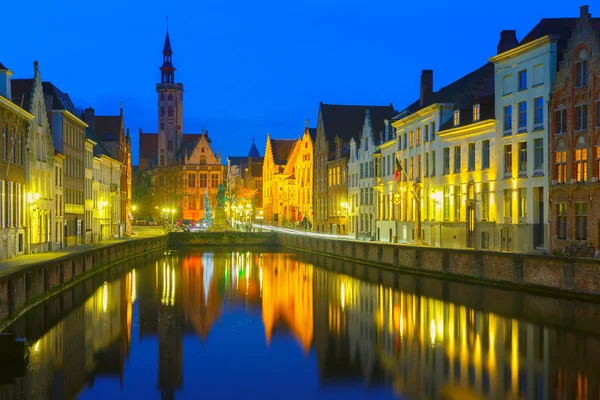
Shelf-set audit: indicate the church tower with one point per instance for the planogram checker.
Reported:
(170, 110)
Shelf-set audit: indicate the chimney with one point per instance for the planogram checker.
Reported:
(426, 86)
(584, 11)
(508, 40)
(5, 75)
(88, 118)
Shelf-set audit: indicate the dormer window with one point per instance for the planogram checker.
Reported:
(476, 113)
(456, 117)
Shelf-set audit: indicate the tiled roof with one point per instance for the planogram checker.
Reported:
(237, 160)
(61, 101)
(282, 149)
(486, 109)
(346, 121)
(99, 148)
(22, 88)
(474, 85)
(107, 128)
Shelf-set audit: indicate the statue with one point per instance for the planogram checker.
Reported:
(221, 196)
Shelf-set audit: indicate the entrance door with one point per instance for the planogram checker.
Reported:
(538, 225)
(506, 238)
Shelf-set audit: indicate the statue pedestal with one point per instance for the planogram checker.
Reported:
(220, 223)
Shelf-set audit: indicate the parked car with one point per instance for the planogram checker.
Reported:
(178, 222)
(141, 221)
(152, 222)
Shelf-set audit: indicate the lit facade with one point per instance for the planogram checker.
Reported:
(304, 175)
(524, 74)
(277, 168)
(39, 166)
(575, 139)
(59, 201)
(14, 125)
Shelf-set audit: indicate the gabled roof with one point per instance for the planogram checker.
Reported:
(61, 100)
(556, 26)
(346, 121)
(282, 148)
(237, 160)
(22, 88)
(107, 125)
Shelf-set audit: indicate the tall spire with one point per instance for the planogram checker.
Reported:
(167, 71)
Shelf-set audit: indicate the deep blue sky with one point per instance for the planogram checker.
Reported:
(253, 67)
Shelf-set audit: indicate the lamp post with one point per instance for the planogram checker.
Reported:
(133, 210)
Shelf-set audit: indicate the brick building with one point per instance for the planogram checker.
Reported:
(575, 137)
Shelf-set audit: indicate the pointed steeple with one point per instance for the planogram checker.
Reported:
(253, 150)
(167, 71)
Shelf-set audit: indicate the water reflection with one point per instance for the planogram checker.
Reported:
(393, 343)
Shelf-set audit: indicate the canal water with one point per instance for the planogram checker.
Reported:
(223, 324)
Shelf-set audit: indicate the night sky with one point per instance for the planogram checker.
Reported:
(254, 67)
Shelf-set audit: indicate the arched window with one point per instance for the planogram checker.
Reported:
(580, 157)
(560, 161)
(162, 111)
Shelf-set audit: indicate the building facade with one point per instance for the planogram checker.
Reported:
(59, 201)
(575, 139)
(39, 165)
(14, 125)
(336, 126)
(68, 136)
(304, 177)
(277, 167)
(183, 166)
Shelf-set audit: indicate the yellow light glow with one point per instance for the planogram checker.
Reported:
(36, 347)
(432, 331)
(173, 286)
(105, 297)
(133, 288)
(343, 290)
(134, 208)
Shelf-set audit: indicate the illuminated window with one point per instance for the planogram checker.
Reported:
(581, 156)
(561, 221)
(411, 139)
(456, 117)
(418, 136)
(214, 180)
(476, 113)
(446, 203)
(457, 202)
(203, 180)
(560, 161)
(192, 180)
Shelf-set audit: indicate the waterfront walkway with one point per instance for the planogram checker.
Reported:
(12, 264)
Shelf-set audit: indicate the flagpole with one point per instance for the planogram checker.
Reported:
(419, 239)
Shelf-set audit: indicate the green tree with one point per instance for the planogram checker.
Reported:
(208, 219)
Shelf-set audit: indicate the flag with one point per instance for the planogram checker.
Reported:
(398, 170)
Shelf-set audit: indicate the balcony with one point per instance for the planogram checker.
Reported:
(74, 208)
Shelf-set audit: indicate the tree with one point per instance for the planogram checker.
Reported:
(208, 219)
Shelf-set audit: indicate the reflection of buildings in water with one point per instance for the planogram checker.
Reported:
(287, 296)
(432, 349)
(241, 274)
(91, 340)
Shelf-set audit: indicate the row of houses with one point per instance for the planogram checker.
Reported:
(65, 174)
(505, 158)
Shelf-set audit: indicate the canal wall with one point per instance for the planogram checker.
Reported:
(536, 273)
(233, 238)
(24, 287)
